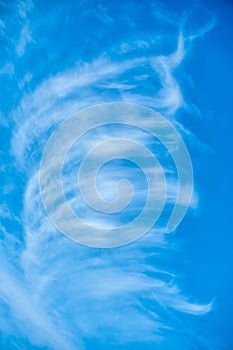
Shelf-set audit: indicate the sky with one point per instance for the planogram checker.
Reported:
(161, 291)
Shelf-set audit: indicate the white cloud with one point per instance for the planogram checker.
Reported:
(7, 69)
(59, 293)
(100, 12)
(3, 121)
(94, 286)
(24, 8)
(53, 96)
(24, 39)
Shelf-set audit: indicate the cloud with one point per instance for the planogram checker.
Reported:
(7, 69)
(76, 89)
(24, 7)
(28, 318)
(92, 288)
(100, 12)
(24, 39)
(204, 29)
(3, 121)
(57, 294)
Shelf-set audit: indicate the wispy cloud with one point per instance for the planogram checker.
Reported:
(78, 88)
(100, 284)
(100, 12)
(58, 294)
(24, 39)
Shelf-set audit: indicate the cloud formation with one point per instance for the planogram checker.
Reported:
(54, 293)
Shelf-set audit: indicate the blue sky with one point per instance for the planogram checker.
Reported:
(162, 291)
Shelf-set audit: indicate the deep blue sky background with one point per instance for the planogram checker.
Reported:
(57, 58)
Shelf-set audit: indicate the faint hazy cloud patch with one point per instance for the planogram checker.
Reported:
(24, 39)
